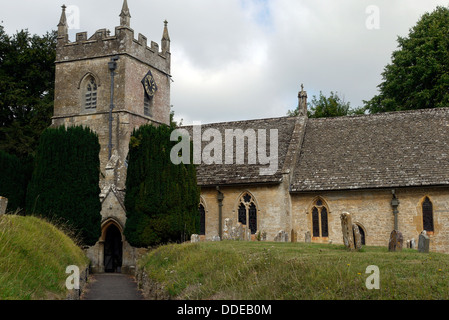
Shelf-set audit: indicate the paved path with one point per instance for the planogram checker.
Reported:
(111, 286)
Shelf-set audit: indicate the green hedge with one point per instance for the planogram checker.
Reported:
(14, 177)
(161, 198)
(65, 181)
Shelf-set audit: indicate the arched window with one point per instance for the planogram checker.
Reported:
(247, 212)
(90, 102)
(202, 212)
(427, 215)
(320, 224)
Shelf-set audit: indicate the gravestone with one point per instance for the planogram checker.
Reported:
(237, 232)
(3, 205)
(308, 237)
(412, 244)
(282, 236)
(396, 241)
(357, 237)
(227, 229)
(347, 230)
(424, 242)
(194, 238)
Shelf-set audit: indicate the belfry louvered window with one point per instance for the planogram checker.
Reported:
(320, 223)
(427, 215)
(247, 212)
(91, 94)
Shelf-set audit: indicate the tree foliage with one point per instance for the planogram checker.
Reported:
(161, 198)
(332, 106)
(418, 76)
(27, 74)
(14, 177)
(65, 180)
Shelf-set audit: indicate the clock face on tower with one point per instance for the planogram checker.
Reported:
(149, 85)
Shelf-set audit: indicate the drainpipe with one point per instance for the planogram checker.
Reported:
(112, 67)
(395, 205)
(220, 197)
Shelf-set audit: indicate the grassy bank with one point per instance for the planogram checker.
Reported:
(33, 258)
(300, 271)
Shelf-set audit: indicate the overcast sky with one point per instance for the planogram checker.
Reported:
(247, 59)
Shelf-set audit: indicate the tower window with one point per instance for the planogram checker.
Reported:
(91, 94)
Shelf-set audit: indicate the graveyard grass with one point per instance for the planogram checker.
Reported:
(239, 270)
(34, 255)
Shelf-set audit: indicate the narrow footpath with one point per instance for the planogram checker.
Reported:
(111, 286)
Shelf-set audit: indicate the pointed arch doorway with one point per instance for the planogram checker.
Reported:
(113, 247)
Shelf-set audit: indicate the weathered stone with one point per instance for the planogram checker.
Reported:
(3, 205)
(216, 238)
(424, 242)
(238, 232)
(308, 237)
(412, 244)
(347, 230)
(195, 238)
(357, 237)
(396, 241)
(282, 236)
(227, 229)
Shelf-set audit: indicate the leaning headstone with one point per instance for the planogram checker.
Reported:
(308, 237)
(3, 205)
(194, 238)
(347, 230)
(396, 241)
(357, 237)
(424, 242)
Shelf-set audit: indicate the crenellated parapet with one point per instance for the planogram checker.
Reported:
(123, 42)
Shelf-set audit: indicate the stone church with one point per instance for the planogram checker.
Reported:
(390, 171)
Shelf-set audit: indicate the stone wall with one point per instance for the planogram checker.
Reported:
(372, 211)
(272, 211)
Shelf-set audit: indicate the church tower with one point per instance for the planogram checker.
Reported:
(112, 84)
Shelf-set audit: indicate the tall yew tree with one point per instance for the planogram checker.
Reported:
(65, 181)
(161, 198)
(418, 76)
(27, 75)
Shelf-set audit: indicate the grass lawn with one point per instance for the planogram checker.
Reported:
(34, 255)
(234, 270)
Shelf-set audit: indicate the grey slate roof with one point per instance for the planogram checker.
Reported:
(396, 149)
(225, 174)
(388, 150)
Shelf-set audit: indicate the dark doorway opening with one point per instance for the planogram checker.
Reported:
(113, 250)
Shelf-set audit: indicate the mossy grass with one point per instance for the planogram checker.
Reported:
(34, 254)
(237, 270)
